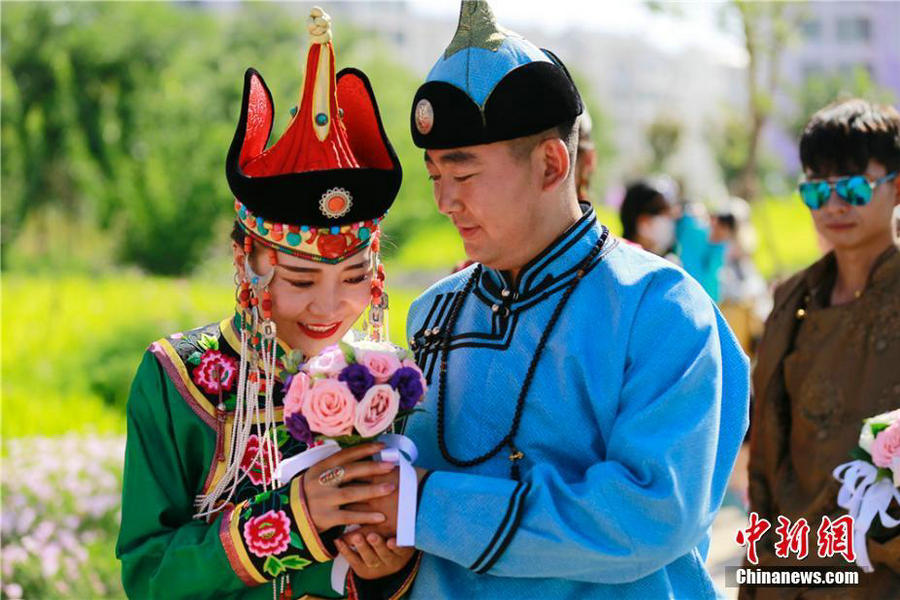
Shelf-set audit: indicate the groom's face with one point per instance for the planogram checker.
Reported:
(491, 196)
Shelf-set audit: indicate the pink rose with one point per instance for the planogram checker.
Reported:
(329, 407)
(411, 363)
(377, 409)
(886, 446)
(381, 364)
(329, 362)
(294, 397)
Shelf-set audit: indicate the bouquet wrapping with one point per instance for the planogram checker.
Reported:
(872, 481)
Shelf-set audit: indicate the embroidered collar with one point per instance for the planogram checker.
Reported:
(553, 266)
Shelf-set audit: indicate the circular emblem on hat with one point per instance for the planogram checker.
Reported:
(424, 116)
(335, 203)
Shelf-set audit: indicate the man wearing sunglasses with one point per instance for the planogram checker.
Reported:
(830, 353)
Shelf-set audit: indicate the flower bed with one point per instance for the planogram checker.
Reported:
(60, 519)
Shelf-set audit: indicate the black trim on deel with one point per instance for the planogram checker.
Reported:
(509, 535)
(537, 265)
(513, 508)
(427, 355)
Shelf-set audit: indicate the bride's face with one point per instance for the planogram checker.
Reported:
(314, 304)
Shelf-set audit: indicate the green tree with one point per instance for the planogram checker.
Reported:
(663, 135)
(119, 116)
(820, 90)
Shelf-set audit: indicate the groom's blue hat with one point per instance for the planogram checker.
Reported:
(490, 85)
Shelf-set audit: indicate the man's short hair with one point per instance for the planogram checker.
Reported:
(567, 131)
(843, 137)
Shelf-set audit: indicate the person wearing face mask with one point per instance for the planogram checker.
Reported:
(648, 218)
(652, 218)
(830, 350)
(202, 513)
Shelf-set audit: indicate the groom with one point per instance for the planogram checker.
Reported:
(586, 398)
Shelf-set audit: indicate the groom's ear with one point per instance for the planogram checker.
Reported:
(553, 162)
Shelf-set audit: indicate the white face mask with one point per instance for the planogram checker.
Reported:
(660, 230)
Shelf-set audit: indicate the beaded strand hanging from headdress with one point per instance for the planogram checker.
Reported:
(376, 318)
(319, 193)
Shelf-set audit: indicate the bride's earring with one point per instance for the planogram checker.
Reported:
(378, 304)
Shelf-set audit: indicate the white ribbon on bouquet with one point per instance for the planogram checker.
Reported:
(865, 498)
(400, 450)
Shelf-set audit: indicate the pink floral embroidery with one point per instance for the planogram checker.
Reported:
(216, 372)
(255, 462)
(269, 533)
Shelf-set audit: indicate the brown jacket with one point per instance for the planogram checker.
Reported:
(820, 371)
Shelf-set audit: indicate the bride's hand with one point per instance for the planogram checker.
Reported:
(325, 502)
(371, 557)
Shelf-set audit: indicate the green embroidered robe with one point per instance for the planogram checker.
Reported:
(180, 414)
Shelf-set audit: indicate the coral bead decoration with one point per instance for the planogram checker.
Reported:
(266, 305)
(244, 295)
(332, 246)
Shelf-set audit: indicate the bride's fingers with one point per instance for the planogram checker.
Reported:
(354, 494)
(368, 468)
(365, 551)
(385, 554)
(352, 517)
(347, 455)
(355, 561)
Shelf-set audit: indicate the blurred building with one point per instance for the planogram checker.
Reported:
(836, 38)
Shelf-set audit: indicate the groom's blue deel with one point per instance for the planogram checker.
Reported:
(627, 436)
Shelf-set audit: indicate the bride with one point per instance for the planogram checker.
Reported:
(203, 514)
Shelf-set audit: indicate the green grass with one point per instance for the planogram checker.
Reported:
(71, 344)
(787, 237)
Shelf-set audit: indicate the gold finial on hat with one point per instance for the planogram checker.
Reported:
(319, 26)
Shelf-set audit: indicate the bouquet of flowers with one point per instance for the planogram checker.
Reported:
(872, 481)
(879, 445)
(352, 393)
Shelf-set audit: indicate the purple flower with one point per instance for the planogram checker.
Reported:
(287, 382)
(358, 378)
(298, 426)
(408, 383)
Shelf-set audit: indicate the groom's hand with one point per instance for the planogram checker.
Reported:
(386, 505)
